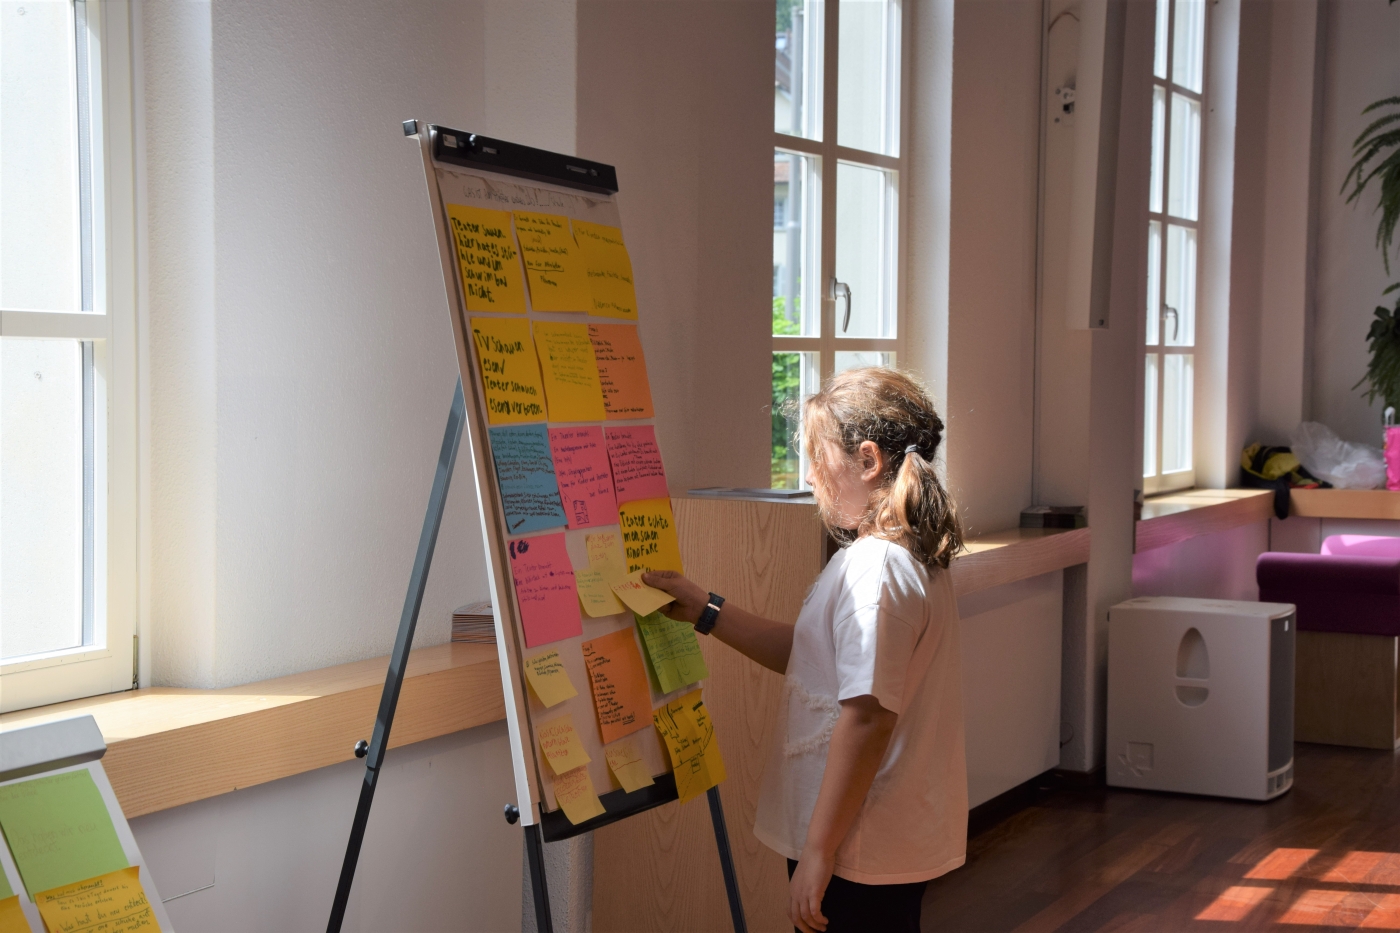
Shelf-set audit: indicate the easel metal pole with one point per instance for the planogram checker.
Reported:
(398, 661)
(726, 862)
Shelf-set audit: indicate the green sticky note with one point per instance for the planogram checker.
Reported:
(673, 651)
(59, 830)
(5, 889)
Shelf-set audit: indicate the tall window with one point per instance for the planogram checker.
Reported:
(66, 311)
(1174, 206)
(836, 182)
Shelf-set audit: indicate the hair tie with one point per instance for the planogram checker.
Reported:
(912, 448)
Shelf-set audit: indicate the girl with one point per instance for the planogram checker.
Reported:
(865, 791)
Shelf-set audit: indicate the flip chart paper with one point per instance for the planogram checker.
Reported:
(627, 765)
(605, 554)
(58, 830)
(561, 745)
(549, 679)
(690, 739)
(639, 597)
(618, 680)
(622, 371)
(487, 259)
(553, 264)
(649, 536)
(585, 476)
(12, 919)
(510, 374)
(525, 474)
(574, 793)
(111, 903)
(544, 587)
(595, 593)
(609, 269)
(674, 652)
(636, 463)
(570, 373)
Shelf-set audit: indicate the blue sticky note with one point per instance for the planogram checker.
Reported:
(525, 473)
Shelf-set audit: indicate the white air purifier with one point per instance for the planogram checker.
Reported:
(1200, 696)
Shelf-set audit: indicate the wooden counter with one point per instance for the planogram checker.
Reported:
(1377, 504)
(1178, 516)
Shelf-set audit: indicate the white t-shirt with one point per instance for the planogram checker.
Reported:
(876, 622)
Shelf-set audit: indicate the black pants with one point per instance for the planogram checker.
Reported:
(852, 907)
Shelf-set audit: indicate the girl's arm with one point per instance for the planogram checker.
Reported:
(857, 748)
(766, 641)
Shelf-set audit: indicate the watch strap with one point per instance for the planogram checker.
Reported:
(709, 615)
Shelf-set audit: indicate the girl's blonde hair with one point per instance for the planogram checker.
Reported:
(891, 409)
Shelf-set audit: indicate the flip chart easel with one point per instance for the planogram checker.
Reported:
(524, 178)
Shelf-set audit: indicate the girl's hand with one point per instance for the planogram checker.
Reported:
(806, 890)
(690, 599)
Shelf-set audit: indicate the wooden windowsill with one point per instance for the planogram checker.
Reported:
(169, 746)
(1018, 554)
(1175, 517)
(1379, 504)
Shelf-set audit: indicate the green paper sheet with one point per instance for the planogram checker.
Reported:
(59, 831)
(5, 889)
(673, 651)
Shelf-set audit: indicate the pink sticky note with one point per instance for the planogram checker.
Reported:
(544, 587)
(585, 480)
(636, 464)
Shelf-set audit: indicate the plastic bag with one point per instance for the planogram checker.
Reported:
(1392, 458)
(1342, 463)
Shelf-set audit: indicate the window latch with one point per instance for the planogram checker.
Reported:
(842, 290)
(1176, 322)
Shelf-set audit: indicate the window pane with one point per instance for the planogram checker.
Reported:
(795, 376)
(1189, 38)
(1186, 158)
(867, 98)
(1154, 280)
(1159, 130)
(865, 250)
(39, 247)
(1178, 370)
(1149, 419)
(1179, 317)
(857, 359)
(796, 235)
(1159, 55)
(41, 495)
(797, 83)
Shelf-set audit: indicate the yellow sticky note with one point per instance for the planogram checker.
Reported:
(487, 259)
(553, 265)
(689, 734)
(595, 594)
(12, 918)
(561, 745)
(649, 536)
(116, 897)
(510, 374)
(573, 791)
(609, 269)
(605, 554)
(627, 765)
(549, 679)
(640, 598)
(570, 372)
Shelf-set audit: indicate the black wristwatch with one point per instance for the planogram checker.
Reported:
(709, 615)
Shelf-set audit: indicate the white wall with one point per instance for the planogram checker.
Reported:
(1213, 566)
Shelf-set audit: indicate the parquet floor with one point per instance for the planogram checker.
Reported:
(1325, 856)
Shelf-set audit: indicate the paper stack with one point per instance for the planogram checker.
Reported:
(474, 624)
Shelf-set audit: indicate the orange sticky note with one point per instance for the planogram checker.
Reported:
(12, 918)
(561, 745)
(510, 374)
(574, 793)
(627, 765)
(116, 897)
(690, 740)
(649, 536)
(487, 259)
(609, 269)
(622, 370)
(618, 680)
(554, 267)
(570, 373)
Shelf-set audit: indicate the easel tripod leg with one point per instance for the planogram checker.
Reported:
(726, 862)
(534, 849)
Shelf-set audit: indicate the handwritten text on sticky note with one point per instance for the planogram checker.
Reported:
(595, 593)
(618, 680)
(110, 903)
(690, 740)
(525, 475)
(584, 475)
(639, 597)
(549, 679)
(609, 269)
(554, 267)
(561, 745)
(545, 590)
(573, 791)
(510, 374)
(622, 370)
(673, 650)
(649, 536)
(486, 259)
(570, 373)
(636, 463)
(627, 765)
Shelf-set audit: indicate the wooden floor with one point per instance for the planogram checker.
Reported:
(1325, 856)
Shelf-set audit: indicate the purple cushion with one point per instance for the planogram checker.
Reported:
(1334, 593)
(1361, 546)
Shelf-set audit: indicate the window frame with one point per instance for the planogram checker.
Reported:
(111, 327)
(1159, 482)
(826, 155)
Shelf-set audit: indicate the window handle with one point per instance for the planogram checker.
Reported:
(842, 290)
(1176, 322)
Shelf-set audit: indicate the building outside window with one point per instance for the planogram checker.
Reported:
(1178, 92)
(837, 165)
(67, 379)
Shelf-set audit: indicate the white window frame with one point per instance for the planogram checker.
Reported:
(109, 664)
(827, 154)
(1160, 482)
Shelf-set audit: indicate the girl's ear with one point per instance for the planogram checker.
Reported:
(872, 461)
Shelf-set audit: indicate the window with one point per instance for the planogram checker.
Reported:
(67, 382)
(837, 165)
(1179, 84)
